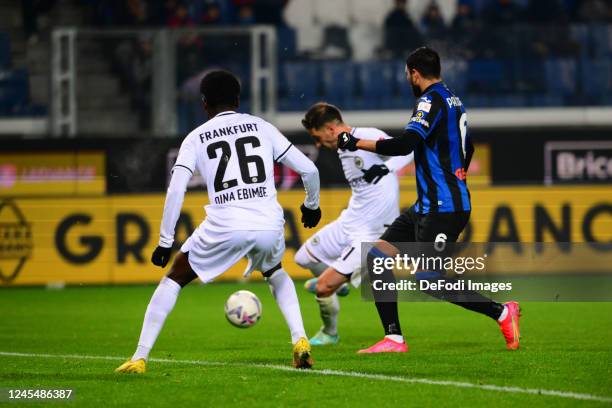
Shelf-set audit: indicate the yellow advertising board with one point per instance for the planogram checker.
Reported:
(87, 240)
(52, 173)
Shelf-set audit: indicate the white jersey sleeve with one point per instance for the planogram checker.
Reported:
(187, 156)
(289, 155)
(298, 162)
(396, 163)
(280, 144)
(172, 207)
(181, 174)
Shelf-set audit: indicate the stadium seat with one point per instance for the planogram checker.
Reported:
(525, 75)
(298, 84)
(369, 12)
(286, 42)
(14, 91)
(334, 12)
(454, 73)
(403, 98)
(475, 100)
(5, 51)
(375, 83)
(309, 38)
(507, 101)
(479, 5)
(580, 34)
(489, 75)
(339, 83)
(365, 40)
(299, 13)
(540, 100)
(561, 76)
(601, 36)
(596, 80)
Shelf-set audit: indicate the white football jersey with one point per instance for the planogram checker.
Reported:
(235, 154)
(372, 206)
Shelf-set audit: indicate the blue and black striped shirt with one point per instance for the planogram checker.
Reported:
(443, 155)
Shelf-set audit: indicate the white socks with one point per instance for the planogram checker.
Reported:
(161, 304)
(329, 307)
(283, 290)
(503, 315)
(398, 338)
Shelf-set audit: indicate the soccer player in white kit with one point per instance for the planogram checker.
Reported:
(335, 250)
(235, 153)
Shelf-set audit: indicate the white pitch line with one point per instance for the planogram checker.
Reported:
(340, 373)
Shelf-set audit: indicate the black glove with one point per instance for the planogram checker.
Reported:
(161, 256)
(375, 173)
(346, 141)
(310, 218)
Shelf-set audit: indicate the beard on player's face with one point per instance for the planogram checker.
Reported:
(416, 90)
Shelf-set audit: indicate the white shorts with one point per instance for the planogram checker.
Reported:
(333, 247)
(211, 253)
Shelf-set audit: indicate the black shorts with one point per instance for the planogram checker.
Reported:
(413, 227)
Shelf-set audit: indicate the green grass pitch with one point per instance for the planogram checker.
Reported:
(565, 347)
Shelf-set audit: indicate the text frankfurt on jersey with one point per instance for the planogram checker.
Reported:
(241, 194)
(228, 131)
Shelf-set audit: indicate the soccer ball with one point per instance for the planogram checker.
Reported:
(243, 309)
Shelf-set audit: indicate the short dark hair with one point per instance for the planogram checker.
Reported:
(319, 114)
(220, 88)
(426, 61)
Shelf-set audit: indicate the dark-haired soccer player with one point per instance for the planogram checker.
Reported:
(334, 252)
(235, 153)
(437, 134)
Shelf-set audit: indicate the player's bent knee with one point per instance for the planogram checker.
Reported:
(301, 257)
(181, 271)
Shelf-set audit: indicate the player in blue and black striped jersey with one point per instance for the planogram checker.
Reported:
(437, 134)
(444, 156)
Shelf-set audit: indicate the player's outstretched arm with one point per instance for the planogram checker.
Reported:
(298, 162)
(398, 146)
(172, 210)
